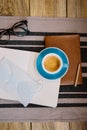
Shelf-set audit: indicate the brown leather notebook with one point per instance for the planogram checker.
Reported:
(70, 44)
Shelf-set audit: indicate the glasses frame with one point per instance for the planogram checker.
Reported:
(11, 29)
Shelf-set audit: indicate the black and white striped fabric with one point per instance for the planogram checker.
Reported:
(70, 97)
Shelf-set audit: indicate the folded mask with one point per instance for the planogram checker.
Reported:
(16, 83)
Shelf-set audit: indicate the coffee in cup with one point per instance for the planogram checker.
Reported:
(52, 63)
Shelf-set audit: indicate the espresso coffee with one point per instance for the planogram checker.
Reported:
(52, 63)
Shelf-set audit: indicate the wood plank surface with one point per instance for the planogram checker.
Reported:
(78, 125)
(77, 8)
(3, 126)
(51, 126)
(14, 7)
(15, 126)
(48, 8)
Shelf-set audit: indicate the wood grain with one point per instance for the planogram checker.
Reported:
(45, 126)
(50, 126)
(78, 125)
(15, 126)
(49, 8)
(77, 8)
(61, 125)
(42, 126)
(14, 7)
(3, 126)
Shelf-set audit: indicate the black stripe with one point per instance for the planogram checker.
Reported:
(71, 88)
(44, 33)
(24, 42)
(19, 105)
(37, 106)
(72, 95)
(31, 42)
(83, 34)
(84, 69)
(84, 54)
(10, 105)
(55, 33)
(51, 33)
(61, 105)
(83, 43)
(72, 105)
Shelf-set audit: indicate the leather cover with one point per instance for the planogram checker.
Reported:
(70, 44)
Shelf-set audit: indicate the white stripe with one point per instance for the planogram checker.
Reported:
(83, 39)
(84, 64)
(3, 101)
(84, 75)
(26, 38)
(36, 38)
(72, 100)
(83, 47)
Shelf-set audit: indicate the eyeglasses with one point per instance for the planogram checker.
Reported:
(19, 29)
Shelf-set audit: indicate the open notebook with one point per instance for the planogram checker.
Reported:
(70, 44)
(48, 94)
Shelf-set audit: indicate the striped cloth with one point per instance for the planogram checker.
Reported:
(69, 96)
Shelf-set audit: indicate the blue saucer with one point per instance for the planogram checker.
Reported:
(63, 57)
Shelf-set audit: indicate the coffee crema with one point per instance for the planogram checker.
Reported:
(52, 63)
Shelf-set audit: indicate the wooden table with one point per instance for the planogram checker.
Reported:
(54, 8)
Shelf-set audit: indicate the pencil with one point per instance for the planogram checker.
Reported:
(77, 75)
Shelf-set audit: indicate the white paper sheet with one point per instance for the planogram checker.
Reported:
(48, 95)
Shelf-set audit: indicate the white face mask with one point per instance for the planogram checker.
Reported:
(16, 83)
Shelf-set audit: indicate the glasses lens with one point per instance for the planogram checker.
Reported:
(20, 28)
(4, 36)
